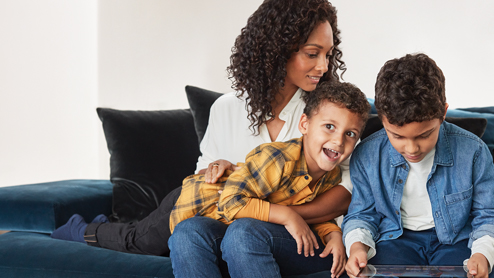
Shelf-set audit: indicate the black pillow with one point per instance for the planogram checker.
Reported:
(373, 124)
(476, 126)
(200, 101)
(151, 153)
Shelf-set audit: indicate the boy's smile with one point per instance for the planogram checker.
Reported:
(413, 140)
(330, 136)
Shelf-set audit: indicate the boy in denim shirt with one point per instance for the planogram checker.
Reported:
(423, 188)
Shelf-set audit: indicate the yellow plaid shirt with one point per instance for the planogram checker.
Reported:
(273, 173)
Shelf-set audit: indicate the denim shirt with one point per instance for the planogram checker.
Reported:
(460, 187)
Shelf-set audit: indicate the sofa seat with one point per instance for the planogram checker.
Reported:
(43, 207)
(27, 254)
(32, 211)
(35, 255)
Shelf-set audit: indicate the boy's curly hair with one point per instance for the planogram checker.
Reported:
(410, 89)
(276, 30)
(341, 93)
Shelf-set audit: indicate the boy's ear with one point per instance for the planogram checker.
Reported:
(303, 124)
(446, 106)
(445, 110)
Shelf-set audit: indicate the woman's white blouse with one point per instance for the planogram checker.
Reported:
(228, 135)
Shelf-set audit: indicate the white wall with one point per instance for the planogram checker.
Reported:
(457, 34)
(48, 90)
(60, 59)
(149, 50)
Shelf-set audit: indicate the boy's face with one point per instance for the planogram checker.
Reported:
(414, 140)
(330, 136)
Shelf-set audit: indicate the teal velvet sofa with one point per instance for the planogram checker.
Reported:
(31, 212)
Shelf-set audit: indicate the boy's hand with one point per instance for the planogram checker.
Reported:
(296, 226)
(303, 235)
(478, 266)
(357, 260)
(335, 246)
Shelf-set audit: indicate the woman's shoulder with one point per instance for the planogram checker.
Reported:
(229, 103)
(229, 98)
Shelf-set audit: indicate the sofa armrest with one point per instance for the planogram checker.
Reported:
(44, 207)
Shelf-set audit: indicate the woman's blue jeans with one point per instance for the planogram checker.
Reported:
(200, 246)
(195, 248)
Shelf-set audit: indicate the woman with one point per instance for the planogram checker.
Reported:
(263, 109)
(287, 46)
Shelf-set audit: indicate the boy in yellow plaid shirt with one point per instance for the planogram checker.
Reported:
(274, 177)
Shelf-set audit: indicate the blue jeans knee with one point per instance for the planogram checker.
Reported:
(195, 248)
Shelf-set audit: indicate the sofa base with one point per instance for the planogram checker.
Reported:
(34, 255)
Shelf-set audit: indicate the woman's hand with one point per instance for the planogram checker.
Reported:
(335, 246)
(216, 169)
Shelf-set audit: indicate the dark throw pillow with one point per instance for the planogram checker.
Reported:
(200, 101)
(479, 112)
(373, 124)
(151, 153)
(476, 126)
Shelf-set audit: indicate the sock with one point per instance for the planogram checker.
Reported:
(73, 230)
(100, 219)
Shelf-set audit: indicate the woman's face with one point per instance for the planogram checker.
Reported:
(306, 66)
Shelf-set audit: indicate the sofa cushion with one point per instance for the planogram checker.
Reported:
(200, 101)
(37, 255)
(151, 152)
(43, 207)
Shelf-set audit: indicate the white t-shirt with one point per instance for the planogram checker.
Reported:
(416, 209)
(228, 135)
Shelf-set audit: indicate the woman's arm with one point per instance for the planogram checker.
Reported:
(227, 139)
(326, 206)
(212, 162)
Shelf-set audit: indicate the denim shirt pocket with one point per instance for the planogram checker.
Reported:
(458, 206)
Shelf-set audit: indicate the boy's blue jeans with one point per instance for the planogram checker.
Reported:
(200, 246)
(420, 248)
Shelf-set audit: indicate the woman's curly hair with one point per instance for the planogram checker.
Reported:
(260, 54)
(410, 89)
